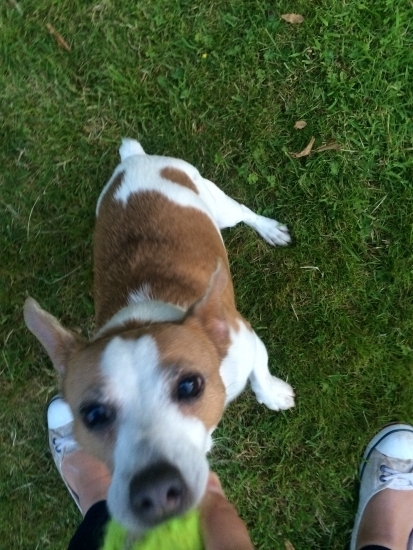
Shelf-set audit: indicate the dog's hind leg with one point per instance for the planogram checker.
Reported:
(228, 212)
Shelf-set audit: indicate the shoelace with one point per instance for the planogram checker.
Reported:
(64, 444)
(396, 478)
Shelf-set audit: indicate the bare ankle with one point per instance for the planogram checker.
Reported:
(387, 520)
(87, 477)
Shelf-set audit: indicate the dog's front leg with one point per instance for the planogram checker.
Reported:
(269, 390)
(247, 359)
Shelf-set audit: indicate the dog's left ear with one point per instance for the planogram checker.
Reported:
(209, 310)
(58, 341)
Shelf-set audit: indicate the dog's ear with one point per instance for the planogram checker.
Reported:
(58, 341)
(209, 310)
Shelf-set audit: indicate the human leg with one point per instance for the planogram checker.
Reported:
(86, 478)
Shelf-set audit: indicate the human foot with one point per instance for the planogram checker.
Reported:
(385, 516)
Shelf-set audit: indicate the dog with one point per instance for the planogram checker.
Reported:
(171, 350)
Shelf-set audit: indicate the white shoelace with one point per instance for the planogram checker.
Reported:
(396, 478)
(64, 444)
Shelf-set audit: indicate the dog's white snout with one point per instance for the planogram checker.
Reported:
(157, 493)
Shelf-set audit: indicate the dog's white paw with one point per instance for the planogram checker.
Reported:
(272, 231)
(277, 395)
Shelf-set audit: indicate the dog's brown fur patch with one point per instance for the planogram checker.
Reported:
(189, 348)
(82, 383)
(178, 176)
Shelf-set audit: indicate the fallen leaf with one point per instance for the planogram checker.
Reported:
(293, 18)
(288, 545)
(300, 124)
(305, 152)
(59, 38)
(332, 146)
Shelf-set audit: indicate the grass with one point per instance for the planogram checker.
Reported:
(220, 84)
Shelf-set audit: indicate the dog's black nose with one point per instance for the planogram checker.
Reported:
(158, 493)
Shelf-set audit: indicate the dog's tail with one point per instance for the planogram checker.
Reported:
(129, 148)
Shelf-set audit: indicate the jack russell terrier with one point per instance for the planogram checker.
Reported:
(171, 350)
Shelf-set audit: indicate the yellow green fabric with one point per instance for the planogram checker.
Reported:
(182, 533)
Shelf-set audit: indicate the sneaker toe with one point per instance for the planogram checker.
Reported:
(58, 414)
(397, 443)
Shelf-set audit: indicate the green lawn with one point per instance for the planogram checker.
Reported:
(220, 84)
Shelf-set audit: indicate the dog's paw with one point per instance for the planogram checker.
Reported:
(272, 231)
(277, 396)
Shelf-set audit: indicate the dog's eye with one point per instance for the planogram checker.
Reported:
(190, 387)
(97, 416)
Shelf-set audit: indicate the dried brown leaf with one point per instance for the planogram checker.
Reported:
(288, 545)
(59, 38)
(332, 146)
(294, 18)
(305, 152)
(300, 124)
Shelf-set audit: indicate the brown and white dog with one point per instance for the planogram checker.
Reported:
(171, 350)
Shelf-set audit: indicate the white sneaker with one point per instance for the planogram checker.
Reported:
(387, 464)
(61, 439)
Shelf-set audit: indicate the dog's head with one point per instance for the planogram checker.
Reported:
(145, 401)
